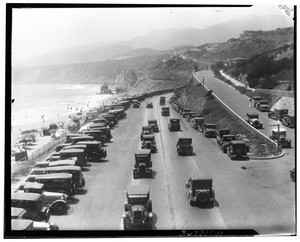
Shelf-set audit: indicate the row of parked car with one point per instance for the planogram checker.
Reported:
(52, 184)
(229, 143)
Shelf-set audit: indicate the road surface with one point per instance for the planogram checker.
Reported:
(249, 194)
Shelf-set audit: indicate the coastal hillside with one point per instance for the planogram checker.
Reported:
(248, 44)
(95, 72)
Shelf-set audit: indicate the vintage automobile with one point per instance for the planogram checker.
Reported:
(220, 134)
(135, 103)
(280, 137)
(59, 147)
(293, 175)
(41, 164)
(77, 153)
(225, 140)
(184, 146)
(149, 104)
(106, 133)
(185, 112)
(57, 202)
(253, 120)
(117, 113)
(70, 136)
(138, 208)
(191, 115)
(94, 150)
(94, 126)
(148, 142)
(199, 190)
(76, 146)
(263, 106)
(105, 121)
(124, 103)
(37, 171)
(143, 164)
(33, 204)
(278, 114)
(120, 110)
(146, 130)
(58, 182)
(77, 176)
(28, 224)
(81, 138)
(98, 135)
(197, 123)
(289, 121)
(255, 99)
(210, 130)
(67, 162)
(174, 124)
(53, 157)
(110, 118)
(21, 224)
(153, 124)
(165, 111)
(162, 101)
(237, 149)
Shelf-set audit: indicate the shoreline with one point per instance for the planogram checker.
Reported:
(17, 129)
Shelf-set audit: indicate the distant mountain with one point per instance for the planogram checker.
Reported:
(170, 38)
(164, 39)
(78, 54)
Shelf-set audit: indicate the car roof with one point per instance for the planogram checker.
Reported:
(71, 135)
(20, 224)
(238, 142)
(92, 131)
(174, 119)
(64, 162)
(280, 130)
(54, 175)
(33, 185)
(76, 146)
(184, 138)
(98, 119)
(143, 152)
(17, 211)
(252, 114)
(198, 118)
(200, 176)
(88, 142)
(102, 128)
(82, 137)
(138, 189)
(29, 196)
(72, 151)
(152, 120)
(148, 136)
(228, 135)
(60, 168)
(211, 124)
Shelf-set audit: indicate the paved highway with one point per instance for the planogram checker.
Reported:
(248, 194)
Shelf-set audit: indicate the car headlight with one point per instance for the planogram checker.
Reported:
(150, 215)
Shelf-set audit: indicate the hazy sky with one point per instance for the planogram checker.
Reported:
(37, 31)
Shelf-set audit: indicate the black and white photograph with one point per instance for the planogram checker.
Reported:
(128, 119)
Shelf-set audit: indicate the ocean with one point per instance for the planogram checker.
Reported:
(36, 106)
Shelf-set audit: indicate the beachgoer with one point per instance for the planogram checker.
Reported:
(250, 102)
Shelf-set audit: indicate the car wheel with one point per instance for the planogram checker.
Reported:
(94, 157)
(134, 176)
(192, 203)
(293, 175)
(60, 208)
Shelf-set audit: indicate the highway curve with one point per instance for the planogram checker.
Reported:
(245, 199)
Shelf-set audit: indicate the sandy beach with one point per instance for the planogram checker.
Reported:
(44, 110)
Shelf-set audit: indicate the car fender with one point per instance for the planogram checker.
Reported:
(56, 202)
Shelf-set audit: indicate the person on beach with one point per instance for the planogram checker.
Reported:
(250, 103)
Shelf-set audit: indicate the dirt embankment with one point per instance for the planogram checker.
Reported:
(194, 96)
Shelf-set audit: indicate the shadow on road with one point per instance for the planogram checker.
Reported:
(81, 192)
(99, 161)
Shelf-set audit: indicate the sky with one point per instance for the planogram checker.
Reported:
(37, 31)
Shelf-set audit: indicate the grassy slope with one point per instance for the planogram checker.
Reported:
(194, 97)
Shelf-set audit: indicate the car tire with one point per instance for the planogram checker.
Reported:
(60, 208)
(134, 176)
(192, 203)
(94, 157)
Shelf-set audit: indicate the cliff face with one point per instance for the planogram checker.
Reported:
(125, 80)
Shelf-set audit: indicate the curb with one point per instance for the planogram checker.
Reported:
(268, 157)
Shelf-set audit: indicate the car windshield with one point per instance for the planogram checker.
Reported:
(228, 138)
(137, 200)
(185, 141)
(141, 158)
(211, 126)
(174, 121)
(146, 129)
(148, 139)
